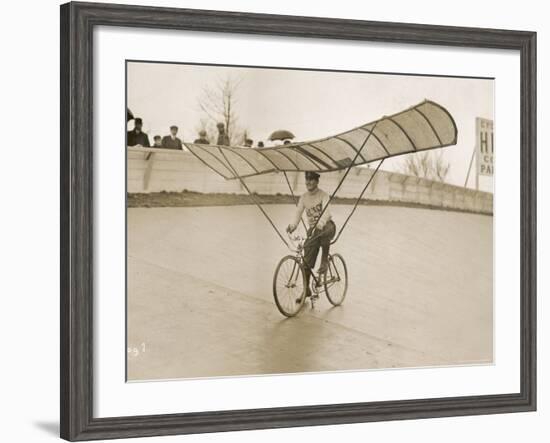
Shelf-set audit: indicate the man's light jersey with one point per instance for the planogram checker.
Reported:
(313, 203)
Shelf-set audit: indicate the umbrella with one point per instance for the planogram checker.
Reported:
(281, 134)
(129, 115)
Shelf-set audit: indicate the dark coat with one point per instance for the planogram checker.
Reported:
(140, 138)
(168, 143)
(202, 141)
(223, 140)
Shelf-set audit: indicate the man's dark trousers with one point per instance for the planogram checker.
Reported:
(319, 239)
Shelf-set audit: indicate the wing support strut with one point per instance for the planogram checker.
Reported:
(256, 202)
(294, 197)
(344, 176)
(357, 202)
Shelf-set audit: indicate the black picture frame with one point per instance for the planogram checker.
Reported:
(77, 23)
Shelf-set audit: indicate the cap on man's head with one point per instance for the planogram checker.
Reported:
(157, 137)
(220, 125)
(310, 175)
(138, 121)
(174, 127)
(202, 133)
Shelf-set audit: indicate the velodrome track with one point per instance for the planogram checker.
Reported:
(200, 297)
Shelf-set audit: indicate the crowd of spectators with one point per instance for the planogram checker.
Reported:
(136, 137)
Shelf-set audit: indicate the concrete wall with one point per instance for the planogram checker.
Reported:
(151, 170)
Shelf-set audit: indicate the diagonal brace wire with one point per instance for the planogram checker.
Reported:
(256, 202)
(357, 202)
(294, 197)
(345, 175)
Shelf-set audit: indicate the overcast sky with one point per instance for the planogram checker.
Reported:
(311, 104)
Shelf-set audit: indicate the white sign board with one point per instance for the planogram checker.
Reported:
(485, 146)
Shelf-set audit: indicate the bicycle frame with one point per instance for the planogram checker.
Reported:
(289, 283)
(299, 254)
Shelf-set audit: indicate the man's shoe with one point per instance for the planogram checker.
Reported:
(323, 268)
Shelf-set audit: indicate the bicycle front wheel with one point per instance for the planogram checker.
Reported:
(289, 283)
(336, 280)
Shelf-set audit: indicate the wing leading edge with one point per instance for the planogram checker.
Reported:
(424, 126)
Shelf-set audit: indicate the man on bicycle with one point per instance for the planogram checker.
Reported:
(321, 227)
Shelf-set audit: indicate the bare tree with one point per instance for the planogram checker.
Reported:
(219, 104)
(441, 166)
(430, 165)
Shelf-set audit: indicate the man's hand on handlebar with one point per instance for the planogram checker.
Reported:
(291, 228)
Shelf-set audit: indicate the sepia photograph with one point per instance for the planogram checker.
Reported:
(293, 221)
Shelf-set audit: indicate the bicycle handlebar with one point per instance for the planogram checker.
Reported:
(296, 240)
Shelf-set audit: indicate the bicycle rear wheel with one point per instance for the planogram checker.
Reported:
(289, 283)
(336, 280)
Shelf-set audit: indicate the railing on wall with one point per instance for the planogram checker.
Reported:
(156, 170)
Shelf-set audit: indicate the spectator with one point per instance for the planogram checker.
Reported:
(260, 144)
(136, 137)
(223, 139)
(248, 143)
(202, 140)
(157, 141)
(171, 141)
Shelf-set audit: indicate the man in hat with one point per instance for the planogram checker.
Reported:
(136, 137)
(202, 140)
(321, 227)
(171, 141)
(223, 139)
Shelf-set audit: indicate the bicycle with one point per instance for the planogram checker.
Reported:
(289, 281)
